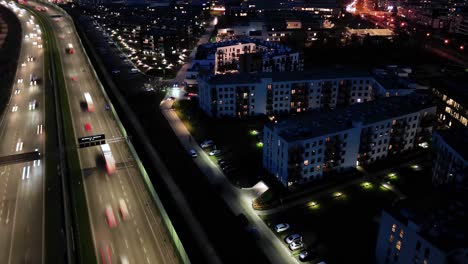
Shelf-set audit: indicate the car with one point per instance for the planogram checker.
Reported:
(214, 152)
(293, 237)
(115, 72)
(133, 70)
(14, 108)
(307, 255)
(105, 254)
(124, 260)
(281, 227)
(23, 64)
(193, 153)
(88, 127)
(20, 80)
(296, 245)
(32, 105)
(227, 167)
(123, 209)
(207, 143)
(17, 91)
(39, 46)
(224, 163)
(74, 78)
(111, 221)
(221, 160)
(107, 106)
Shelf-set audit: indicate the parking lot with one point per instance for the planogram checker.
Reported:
(343, 221)
(238, 143)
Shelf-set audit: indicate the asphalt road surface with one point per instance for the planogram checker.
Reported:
(142, 238)
(22, 184)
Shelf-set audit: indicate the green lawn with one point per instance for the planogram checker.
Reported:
(235, 138)
(340, 225)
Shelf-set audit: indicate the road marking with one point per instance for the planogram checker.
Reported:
(126, 243)
(144, 249)
(39, 129)
(24, 173)
(147, 259)
(27, 174)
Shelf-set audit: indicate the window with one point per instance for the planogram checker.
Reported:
(307, 145)
(393, 228)
(402, 233)
(398, 245)
(391, 238)
(306, 162)
(418, 245)
(317, 168)
(427, 251)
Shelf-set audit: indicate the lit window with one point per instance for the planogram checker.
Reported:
(398, 245)
(393, 227)
(391, 238)
(402, 233)
(306, 162)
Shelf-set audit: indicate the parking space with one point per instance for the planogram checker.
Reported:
(343, 221)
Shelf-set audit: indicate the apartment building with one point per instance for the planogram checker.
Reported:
(452, 104)
(429, 231)
(450, 158)
(307, 147)
(240, 95)
(248, 55)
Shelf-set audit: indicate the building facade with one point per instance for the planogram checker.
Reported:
(248, 55)
(417, 232)
(307, 147)
(450, 158)
(240, 95)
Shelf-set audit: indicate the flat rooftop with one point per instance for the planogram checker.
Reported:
(373, 32)
(320, 123)
(320, 74)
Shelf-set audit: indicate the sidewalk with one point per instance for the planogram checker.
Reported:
(240, 201)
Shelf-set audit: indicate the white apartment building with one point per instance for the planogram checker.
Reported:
(307, 147)
(249, 55)
(239, 95)
(427, 231)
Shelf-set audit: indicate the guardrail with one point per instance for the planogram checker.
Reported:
(166, 220)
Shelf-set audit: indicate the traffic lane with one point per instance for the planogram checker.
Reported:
(102, 193)
(13, 197)
(9, 189)
(28, 216)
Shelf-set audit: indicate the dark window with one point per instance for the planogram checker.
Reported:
(418, 245)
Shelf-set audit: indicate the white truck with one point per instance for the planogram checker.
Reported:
(109, 158)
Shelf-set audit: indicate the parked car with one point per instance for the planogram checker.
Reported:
(207, 144)
(296, 245)
(307, 254)
(293, 237)
(221, 161)
(281, 227)
(214, 152)
(193, 153)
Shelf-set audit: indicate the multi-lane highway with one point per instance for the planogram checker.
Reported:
(141, 238)
(22, 130)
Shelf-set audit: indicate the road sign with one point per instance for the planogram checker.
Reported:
(90, 141)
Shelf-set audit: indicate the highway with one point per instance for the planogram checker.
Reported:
(22, 184)
(141, 238)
